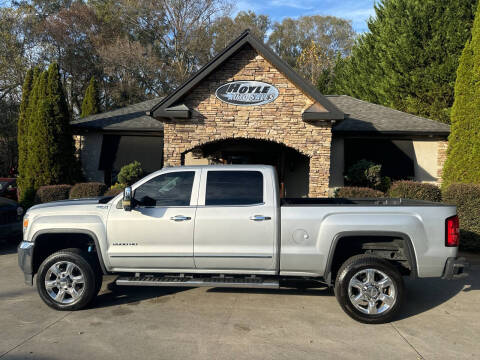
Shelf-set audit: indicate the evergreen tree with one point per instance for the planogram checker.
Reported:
(22, 127)
(62, 151)
(91, 100)
(25, 180)
(50, 158)
(39, 119)
(463, 157)
(408, 58)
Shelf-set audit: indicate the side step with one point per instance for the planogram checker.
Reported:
(190, 281)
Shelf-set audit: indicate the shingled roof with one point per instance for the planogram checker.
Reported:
(364, 117)
(361, 118)
(130, 118)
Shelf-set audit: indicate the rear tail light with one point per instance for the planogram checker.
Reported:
(452, 231)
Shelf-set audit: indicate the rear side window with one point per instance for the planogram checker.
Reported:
(234, 188)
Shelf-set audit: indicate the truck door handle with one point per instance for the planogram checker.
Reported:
(259, 217)
(180, 218)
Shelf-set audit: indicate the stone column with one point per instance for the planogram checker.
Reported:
(171, 157)
(319, 175)
(441, 157)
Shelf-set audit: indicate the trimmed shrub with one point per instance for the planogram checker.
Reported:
(415, 190)
(52, 193)
(87, 190)
(358, 192)
(115, 189)
(130, 173)
(467, 199)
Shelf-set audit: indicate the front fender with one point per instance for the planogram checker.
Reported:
(91, 225)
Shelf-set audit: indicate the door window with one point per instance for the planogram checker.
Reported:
(171, 189)
(234, 188)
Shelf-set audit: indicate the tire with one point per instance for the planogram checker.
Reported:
(72, 280)
(369, 289)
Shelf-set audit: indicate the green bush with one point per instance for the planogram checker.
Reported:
(130, 173)
(467, 199)
(115, 189)
(358, 192)
(52, 193)
(366, 173)
(415, 190)
(87, 190)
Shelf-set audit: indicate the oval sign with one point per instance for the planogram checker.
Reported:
(247, 93)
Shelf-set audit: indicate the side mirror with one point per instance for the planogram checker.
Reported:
(127, 199)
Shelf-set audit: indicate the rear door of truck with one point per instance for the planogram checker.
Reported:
(235, 224)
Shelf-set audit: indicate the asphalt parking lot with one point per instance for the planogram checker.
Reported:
(440, 321)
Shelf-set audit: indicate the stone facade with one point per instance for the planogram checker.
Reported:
(279, 121)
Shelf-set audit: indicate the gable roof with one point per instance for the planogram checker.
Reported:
(164, 107)
(363, 117)
(129, 118)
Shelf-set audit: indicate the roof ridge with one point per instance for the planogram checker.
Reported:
(104, 113)
(268, 54)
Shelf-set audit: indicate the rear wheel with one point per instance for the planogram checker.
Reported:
(67, 280)
(369, 289)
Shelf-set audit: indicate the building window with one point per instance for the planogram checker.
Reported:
(395, 156)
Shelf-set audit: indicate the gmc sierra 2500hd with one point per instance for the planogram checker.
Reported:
(227, 226)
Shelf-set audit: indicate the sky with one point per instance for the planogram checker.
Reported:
(358, 11)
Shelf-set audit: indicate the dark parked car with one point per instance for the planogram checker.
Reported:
(8, 188)
(11, 215)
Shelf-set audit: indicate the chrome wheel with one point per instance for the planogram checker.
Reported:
(371, 291)
(64, 282)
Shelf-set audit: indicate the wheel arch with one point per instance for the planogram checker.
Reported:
(44, 235)
(409, 248)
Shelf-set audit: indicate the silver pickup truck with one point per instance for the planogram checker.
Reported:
(227, 226)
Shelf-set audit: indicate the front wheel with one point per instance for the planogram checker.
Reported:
(369, 289)
(66, 280)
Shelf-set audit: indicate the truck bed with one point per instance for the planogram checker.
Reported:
(359, 202)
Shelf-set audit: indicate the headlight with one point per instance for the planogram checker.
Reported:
(19, 211)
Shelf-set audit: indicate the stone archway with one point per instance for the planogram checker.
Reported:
(317, 154)
(291, 165)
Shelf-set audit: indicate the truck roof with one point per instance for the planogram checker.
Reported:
(221, 167)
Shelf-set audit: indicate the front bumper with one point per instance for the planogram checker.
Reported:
(25, 260)
(455, 268)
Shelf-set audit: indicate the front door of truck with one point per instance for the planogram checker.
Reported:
(235, 221)
(158, 231)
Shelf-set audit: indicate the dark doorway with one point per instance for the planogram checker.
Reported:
(120, 150)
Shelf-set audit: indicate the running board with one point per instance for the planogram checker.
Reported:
(174, 281)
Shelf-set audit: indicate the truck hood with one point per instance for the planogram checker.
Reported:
(89, 201)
